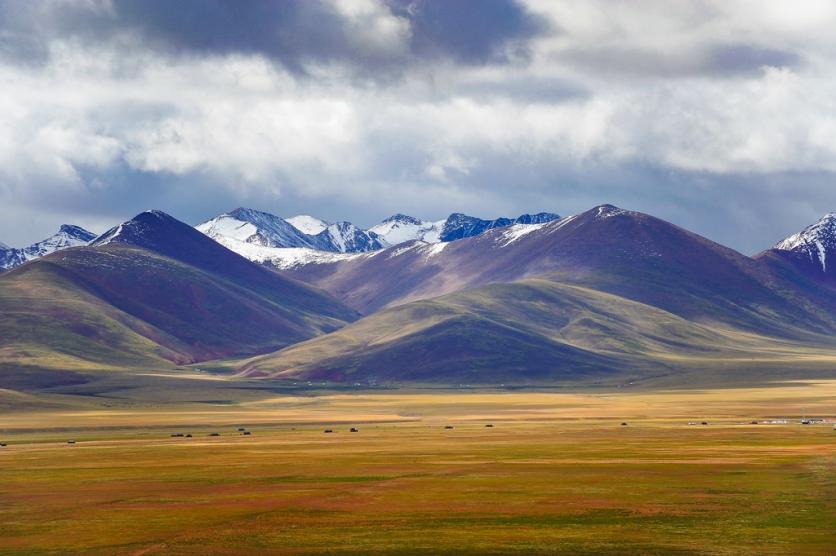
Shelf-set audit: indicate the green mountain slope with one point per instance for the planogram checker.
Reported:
(48, 319)
(529, 331)
(121, 305)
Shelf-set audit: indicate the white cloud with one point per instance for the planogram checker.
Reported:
(686, 86)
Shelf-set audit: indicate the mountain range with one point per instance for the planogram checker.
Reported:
(150, 291)
(287, 242)
(537, 299)
(300, 240)
(67, 236)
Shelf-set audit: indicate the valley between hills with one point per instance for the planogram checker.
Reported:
(594, 384)
(607, 297)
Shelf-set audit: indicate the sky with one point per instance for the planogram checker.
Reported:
(717, 115)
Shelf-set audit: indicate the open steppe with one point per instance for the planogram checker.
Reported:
(557, 473)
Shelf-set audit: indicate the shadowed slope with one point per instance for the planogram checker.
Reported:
(189, 299)
(528, 331)
(630, 254)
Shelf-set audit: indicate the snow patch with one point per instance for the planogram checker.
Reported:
(228, 227)
(434, 249)
(283, 257)
(67, 236)
(395, 231)
(557, 224)
(396, 252)
(815, 241)
(307, 224)
(517, 231)
(608, 211)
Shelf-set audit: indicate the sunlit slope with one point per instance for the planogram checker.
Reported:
(120, 305)
(625, 253)
(49, 319)
(529, 331)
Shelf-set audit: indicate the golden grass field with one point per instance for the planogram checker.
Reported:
(557, 474)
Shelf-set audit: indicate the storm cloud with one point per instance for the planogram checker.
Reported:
(368, 36)
(716, 115)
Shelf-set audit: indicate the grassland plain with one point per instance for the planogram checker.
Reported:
(556, 474)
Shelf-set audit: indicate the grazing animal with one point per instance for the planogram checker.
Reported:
(328, 430)
(352, 429)
(448, 426)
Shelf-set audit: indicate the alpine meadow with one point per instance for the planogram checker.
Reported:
(630, 350)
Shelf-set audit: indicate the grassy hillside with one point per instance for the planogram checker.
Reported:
(629, 254)
(123, 306)
(529, 331)
(48, 319)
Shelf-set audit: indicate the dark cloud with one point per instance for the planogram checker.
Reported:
(289, 32)
(486, 120)
(744, 58)
(474, 32)
(523, 89)
(719, 60)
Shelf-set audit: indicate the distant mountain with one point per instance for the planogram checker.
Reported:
(67, 236)
(264, 237)
(630, 254)
(401, 228)
(533, 331)
(605, 293)
(289, 243)
(307, 224)
(528, 331)
(460, 226)
(345, 237)
(256, 228)
(813, 248)
(539, 218)
(154, 289)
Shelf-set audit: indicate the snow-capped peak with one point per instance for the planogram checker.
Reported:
(403, 219)
(256, 227)
(818, 241)
(4, 247)
(67, 236)
(307, 224)
(136, 230)
(243, 227)
(607, 211)
(401, 228)
(345, 237)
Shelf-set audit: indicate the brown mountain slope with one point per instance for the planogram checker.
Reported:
(164, 293)
(532, 331)
(629, 254)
